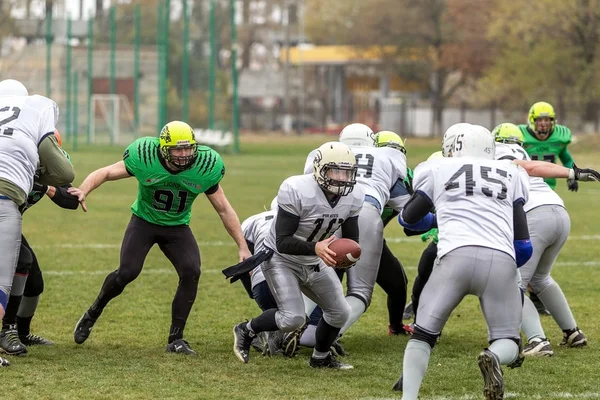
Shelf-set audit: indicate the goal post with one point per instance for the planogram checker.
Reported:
(112, 119)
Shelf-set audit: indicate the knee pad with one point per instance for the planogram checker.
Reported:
(425, 336)
(289, 322)
(516, 340)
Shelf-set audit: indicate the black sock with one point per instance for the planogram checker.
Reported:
(10, 314)
(110, 290)
(24, 325)
(175, 333)
(265, 322)
(325, 336)
(182, 305)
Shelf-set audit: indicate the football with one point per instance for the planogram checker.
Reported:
(347, 252)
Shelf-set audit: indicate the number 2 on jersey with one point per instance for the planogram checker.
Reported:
(470, 183)
(165, 199)
(319, 224)
(15, 114)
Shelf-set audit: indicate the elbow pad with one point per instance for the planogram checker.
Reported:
(426, 223)
(523, 251)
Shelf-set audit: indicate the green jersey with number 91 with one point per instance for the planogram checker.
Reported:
(165, 197)
(549, 150)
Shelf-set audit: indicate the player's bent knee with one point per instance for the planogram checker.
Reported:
(362, 296)
(540, 285)
(289, 322)
(338, 317)
(425, 336)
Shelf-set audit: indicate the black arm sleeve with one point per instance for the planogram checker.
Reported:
(416, 208)
(350, 229)
(211, 190)
(520, 221)
(285, 227)
(64, 199)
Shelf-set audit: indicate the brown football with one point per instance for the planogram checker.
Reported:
(347, 252)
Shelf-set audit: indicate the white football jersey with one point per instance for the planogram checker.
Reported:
(473, 199)
(24, 122)
(255, 230)
(540, 194)
(379, 169)
(301, 195)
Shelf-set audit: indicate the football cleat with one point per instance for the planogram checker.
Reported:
(398, 385)
(260, 344)
(538, 347)
(4, 362)
(406, 330)
(291, 340)
(10, 343)
(337, 348)
(574, 338)
(274, 340)
(242, 341)
(83, 328)
(408, 311)
(493, 382)
(328, 362)
(35, 340)
(180, 346)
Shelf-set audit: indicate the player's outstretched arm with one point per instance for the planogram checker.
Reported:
(544, 169)
(56, 168)
(112, 172)
(231, 222)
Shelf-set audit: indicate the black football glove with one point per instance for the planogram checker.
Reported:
(584, 175)
(572, 185)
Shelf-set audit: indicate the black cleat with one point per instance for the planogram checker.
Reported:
(291, 340)
(260, 344)
(328, 362)
(4, 362)
(493, 383)
(242, 341)
(274, 340)
(83, 328)
(180, 346)
(337, 348)
(398, 385)
(35, 340)
(10, 343)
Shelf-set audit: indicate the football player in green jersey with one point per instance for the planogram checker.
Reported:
(172, 171)
(546, 140)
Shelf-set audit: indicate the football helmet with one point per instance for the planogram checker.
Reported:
(335, 168)
(357, 135)
(177, 135)
(508, 133)
(476, 142)
(389, 139)
(543, 128)
(435, 156)
(12, 87)
(450, 135)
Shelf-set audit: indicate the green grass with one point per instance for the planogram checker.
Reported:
(125, 359)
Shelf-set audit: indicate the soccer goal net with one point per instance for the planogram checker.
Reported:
(112, 119)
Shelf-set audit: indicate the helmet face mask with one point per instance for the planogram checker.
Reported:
(335, 168)
(542, 120)
(178, 145)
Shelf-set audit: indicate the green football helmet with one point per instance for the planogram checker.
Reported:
(177, 135)
(539, 110)
(508, 133)
(389, 139)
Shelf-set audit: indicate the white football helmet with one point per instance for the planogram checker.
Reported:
(476, 142)
(335, 168)
(11, 87)
(450, 135)
(357, 135)
(274, 204)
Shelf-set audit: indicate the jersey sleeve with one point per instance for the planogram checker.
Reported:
(288, 198)
(48, 115)
(131, 157)
(423, 180)
(359, 194)
(308, 164)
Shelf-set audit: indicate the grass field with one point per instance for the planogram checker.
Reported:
(124, 357)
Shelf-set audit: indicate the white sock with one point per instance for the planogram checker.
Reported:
(308, 338)
(414, 366)
(506, 350)
(531, 324)
(358, 309)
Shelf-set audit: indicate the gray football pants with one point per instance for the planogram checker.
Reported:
(288, 280)
(489, 274)
(549, 228)
(363, 275)
(10, 243)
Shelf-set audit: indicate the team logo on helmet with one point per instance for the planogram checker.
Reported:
(165, 134)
